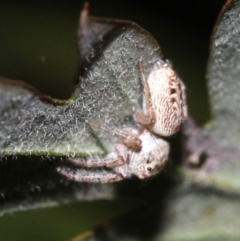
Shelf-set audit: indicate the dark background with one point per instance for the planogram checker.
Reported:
(38, 45)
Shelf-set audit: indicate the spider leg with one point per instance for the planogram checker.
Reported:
(89, 175)
(142, 118)
(118, 157)
(130, 137)
(110, 162)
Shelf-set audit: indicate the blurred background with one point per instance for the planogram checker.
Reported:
(38, 45)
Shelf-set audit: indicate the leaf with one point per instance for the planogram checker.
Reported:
(109, 91)
(37, 132)
(182, 203)
(223, 78)
(223, 75)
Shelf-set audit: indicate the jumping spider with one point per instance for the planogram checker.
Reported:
(144, 152)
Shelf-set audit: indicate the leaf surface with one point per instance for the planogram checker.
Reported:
(38, 132)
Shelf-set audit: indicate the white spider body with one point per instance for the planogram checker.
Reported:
(167, 97)
(122, 162)
(148, 161)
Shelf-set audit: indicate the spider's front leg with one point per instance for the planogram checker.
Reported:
(90, 175)
(116, 162)
(117, 157)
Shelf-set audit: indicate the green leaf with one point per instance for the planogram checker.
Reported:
(223, 80)
(182, 203)
(108, 92)
(223, 76)
(38, 132)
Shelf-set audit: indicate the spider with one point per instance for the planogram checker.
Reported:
(142, 152)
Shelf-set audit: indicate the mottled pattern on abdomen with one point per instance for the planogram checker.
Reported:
(167, 99)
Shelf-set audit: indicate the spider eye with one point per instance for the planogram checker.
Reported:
(149, 169)
(149, 160)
